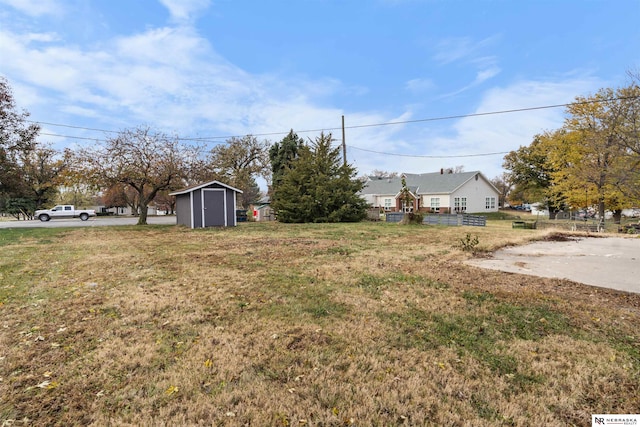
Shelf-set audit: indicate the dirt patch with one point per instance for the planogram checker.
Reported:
(558, 237)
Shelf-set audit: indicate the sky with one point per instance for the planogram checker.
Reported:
(412, 78)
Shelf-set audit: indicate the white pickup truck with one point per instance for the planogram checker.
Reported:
(64, 211)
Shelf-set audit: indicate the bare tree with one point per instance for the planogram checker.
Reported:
(377, 173)
(454, 169)
(238, 163)
(504, 186)
(145, 161)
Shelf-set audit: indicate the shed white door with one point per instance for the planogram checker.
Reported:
(214, 207)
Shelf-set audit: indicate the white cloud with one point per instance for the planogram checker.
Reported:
(420, 85)
(36, 7)
(470, 136)
(470, 53)
(184, 10)
(461, 48)
(172, 79)
(481, 77)
(507, 132)
(41, 37)
(486, 74)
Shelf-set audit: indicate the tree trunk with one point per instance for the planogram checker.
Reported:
(617, 216)
(601, 209)
(142, 219)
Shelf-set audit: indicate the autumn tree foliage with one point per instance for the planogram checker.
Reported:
(29, 171)
(593, 160)
(606, 131)
(139, 161)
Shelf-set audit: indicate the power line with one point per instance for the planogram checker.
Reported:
(73, 137)
(433, 119)
(430, 119)
(430, 157)
(490, 113)
(73, 127)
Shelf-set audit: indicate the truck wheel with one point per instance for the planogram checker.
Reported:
(84, 216)
(44, 217)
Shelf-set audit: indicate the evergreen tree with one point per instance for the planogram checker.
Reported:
(281, 155)
(318, 187)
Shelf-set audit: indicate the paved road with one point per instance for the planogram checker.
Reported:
(612, 262)
(100, 221)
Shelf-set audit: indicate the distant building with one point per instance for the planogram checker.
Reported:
(440, 192)
(262, 210)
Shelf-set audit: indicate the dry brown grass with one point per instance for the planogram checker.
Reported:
(272, 324)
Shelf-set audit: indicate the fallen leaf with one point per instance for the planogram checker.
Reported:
(171, 390)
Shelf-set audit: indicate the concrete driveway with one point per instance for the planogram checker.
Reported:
(100, 221)
(612, 262)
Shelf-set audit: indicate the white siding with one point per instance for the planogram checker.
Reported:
(381, 200)
(372, 199)
(445, 201)
(476, 192)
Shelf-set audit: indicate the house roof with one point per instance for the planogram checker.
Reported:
(424, 183)
(199, 186)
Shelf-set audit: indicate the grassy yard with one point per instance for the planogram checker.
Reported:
(292, 325)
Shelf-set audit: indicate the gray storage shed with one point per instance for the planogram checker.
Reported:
(206, 205)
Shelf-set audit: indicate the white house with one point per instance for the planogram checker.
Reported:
(436, 192)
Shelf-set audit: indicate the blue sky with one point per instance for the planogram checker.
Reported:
(207, 68)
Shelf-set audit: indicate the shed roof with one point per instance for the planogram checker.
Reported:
(199, 186)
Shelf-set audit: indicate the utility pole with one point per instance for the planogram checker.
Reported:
(344, 145)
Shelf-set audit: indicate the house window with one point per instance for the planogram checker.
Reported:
(460, 204)
(490, 203)
(435, 204)
(387, 204)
